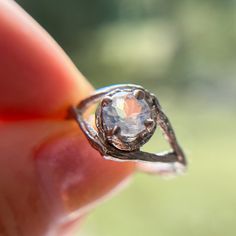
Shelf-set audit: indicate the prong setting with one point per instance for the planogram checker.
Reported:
(139, 94)
(115, 131)
(149, 123)
(106, 101)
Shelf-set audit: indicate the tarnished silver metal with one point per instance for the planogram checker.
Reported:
(112, 145)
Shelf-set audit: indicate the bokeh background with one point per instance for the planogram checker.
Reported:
(185, 52)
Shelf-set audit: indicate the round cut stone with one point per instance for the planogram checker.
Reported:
(128, 113)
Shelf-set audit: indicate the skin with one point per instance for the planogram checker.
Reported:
(49, 174)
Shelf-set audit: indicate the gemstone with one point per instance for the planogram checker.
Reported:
(127, 112)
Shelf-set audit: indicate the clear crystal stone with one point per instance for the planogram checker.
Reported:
(128, 113)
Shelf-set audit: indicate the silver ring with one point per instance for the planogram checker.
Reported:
(126, 117)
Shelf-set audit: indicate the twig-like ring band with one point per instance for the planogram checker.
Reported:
(126, 117)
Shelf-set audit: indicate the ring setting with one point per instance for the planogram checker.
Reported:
(126, 117)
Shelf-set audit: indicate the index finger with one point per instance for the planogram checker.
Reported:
(37, 79)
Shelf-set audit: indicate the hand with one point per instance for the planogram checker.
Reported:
(48, 170)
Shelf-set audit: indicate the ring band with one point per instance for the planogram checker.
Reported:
(126, 117)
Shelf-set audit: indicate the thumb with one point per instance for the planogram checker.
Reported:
(50, 176)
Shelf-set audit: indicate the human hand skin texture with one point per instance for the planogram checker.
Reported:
(49, 174)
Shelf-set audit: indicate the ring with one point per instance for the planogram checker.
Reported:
(126, 117)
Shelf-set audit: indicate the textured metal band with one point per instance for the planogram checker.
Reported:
(107, 150)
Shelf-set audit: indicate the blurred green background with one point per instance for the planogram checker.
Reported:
(185, 52)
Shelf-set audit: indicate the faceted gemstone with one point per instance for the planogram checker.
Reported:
(126, 112)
